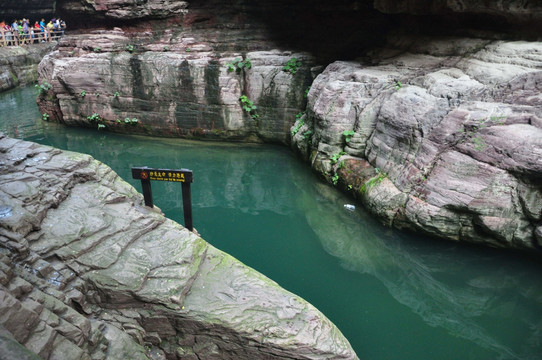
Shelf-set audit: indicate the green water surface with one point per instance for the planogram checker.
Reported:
(393, 295)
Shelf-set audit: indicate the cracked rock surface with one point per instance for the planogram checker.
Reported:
(88, 272)
(442, 136)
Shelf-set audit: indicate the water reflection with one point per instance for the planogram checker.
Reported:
(490, 300)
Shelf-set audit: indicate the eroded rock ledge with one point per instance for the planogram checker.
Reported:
(87, 272)
(442, 136)
(19, 64)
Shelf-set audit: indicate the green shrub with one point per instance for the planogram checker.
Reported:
(238, 65)
(130, 48)
(94, 117)
(43, 87)
(335, 157)
(348, 135)
(249, 107)
(292, 66)
(300, 123)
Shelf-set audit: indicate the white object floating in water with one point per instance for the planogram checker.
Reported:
(349, 207)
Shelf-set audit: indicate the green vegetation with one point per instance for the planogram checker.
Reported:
(116, 94)
(398, 85)
(83, 93)
(335, 157)
(292, 66)
(187, 50)
(373, 181)
(97, 94)
(45, 117)
(97, 49)
(132, 121)
(43, 87)
(335, 179)
(166, 48)
(348, 135)
(249, 107)
(130, 48)
(307, 134)
(238, 65)
(101, 126)
(94, 117)
(300, 123)
(307, 91)
(479, 143)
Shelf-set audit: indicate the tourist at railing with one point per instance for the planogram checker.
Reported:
(21, 32)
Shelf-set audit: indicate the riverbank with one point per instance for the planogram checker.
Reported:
(19, 64)
(79, 244)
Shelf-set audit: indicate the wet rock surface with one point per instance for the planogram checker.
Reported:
(19, 65)
(87, 272)
(180, 79)
(450, 128)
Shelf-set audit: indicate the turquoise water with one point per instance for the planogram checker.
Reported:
(393, 295)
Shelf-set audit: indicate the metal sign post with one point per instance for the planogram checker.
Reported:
(184, 176)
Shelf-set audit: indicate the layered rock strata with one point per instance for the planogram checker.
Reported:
(439, 136)
(19, 64)
(88, 272)
(176, 83)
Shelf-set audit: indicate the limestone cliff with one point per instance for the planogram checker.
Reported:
(19, 65)
(88, 272)
(438, 133)
(442, 136)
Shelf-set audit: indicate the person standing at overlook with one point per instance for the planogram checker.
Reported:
(50, 28)
(15, 31)
(26, 31)
(42, 29)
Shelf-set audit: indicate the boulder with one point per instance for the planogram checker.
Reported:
(89, 272)
(452, 130)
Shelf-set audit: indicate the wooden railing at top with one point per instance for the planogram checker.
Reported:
(31, 38)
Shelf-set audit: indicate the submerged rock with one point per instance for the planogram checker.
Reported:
(444, 138)
(88, 272)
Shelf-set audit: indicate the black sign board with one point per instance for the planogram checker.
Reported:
(184, 176)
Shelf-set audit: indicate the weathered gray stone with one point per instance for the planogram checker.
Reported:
(174, 92)
(19, 65)
(148, 280)
(452, 126)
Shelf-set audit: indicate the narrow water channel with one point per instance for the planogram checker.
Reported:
(393, 295)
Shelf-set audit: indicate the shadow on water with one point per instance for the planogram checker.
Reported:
(393, 295)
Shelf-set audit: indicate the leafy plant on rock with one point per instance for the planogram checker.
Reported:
(43, 87)
(335, 157)
(130, 48)
(132, 121)
(373, 181)
(292, 66)
(300, 123)
(238, 65)
(45, 117)
(83, 93)
(348, 135)
(249, 107)
(307, 134)
(94, 117)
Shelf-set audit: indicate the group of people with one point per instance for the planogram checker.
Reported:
(22, 32)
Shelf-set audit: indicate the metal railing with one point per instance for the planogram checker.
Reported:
(16, 38)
